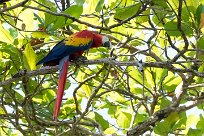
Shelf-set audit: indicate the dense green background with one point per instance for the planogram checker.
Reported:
(104, 96)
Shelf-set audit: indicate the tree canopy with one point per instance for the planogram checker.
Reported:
(150, 81)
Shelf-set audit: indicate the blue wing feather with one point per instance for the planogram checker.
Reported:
(61, 50)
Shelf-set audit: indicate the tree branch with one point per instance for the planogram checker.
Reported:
(52, 69)
(15, 6)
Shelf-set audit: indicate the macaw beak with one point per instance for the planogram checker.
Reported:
(107, 44)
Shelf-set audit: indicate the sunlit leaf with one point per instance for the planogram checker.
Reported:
(40, 35)
(50, 18)
(172, 118)
(159, 129)
(87, 90)
(191, 120)
(30, 57)
(194, 132)
(140, 118)
(172, 29)
(200, 69)
(79, 2)
(104, 123)
(171, 82)
(5, 35)
(200, 123)
(181, 123)
(110, 130)
(168, 124)
(200, 43)
(37, 100)
(164, 102)
(126, 12)
(27, 19)
(123, 118)
(74, 11)
(49, 95)
(117, 97)
(99, 5)
(200, 15)
(194, 3)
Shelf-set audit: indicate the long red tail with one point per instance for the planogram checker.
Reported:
(60, 90)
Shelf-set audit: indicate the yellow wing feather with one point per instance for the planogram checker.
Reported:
(77, 41)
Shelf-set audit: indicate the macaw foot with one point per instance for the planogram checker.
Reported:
(80, 59)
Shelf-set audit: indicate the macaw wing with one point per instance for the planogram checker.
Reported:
(63, 49)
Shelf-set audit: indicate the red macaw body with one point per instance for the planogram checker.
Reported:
(70, 49)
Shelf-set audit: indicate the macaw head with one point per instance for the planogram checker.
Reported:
(106, 42)
(100, 40)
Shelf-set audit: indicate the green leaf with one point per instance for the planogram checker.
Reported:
(30, 57)
(181, 123)
(194, 3)
(117, 97)
(200, 123)
(59, 23)
(76, 27)
(159, 128)
(200, 45)
(194, 132)
(185, 14)
(192, 119)
(126, 12)
(172, 29)
(39, 18)
(160, 3)
(150, 75)
(164, 102)
(50, 18)
(168, 124)
(200, 69)
(27, 21)
(200, 42)
(79, 2)
(87, 90)
(40, 35)
(37, 99)
(157, 21)
(110, 130)
(136, 42)
(140, 118)
(199, 11)
(134, 73)
(172, 119)
(5, 35)
(99, 5)
(49, 95)
(160, 74)
(104, 123)
(144, 17)
(171, 82)
(123, 118)
(111, 109)
(75, 11)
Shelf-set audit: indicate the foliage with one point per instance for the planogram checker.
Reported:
(147, 83)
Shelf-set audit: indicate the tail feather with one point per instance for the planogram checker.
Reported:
(61, 86)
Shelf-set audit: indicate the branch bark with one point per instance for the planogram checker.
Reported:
(52, 69)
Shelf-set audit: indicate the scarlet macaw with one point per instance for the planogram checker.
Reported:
(69, 49)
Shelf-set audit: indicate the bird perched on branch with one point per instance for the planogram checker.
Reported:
(70, 49)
